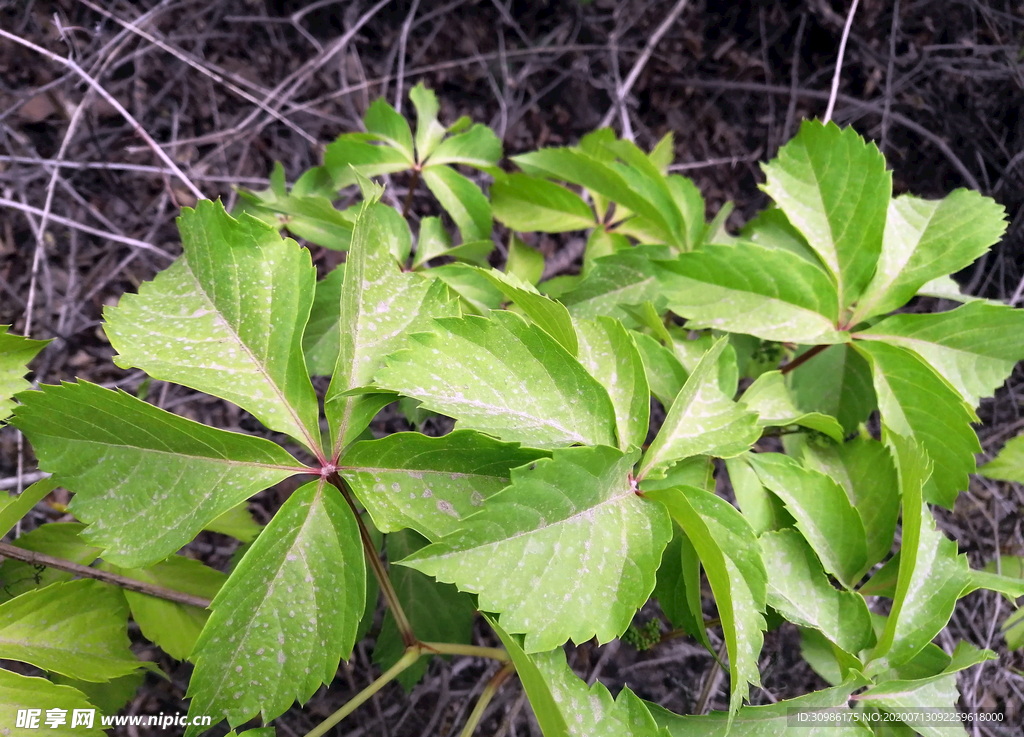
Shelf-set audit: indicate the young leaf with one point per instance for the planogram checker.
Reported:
(973, 347)
(15, 353)
(389, 126)
(799, 590)
(429, 484)
(833, 186)
(76, 629)
(770, 228)
(1009, 464)
(504, 377)
(702, 420)
(628, 277)
(478, 147)
(18, 693)
(227, 319)
(928, 239)
(438, 612)
(764, 511)
(917, 403)
(322, 334)
(17, 507)
(462, 199)
(663, 153)
(147, 481)
(477, 295)
(568, 551)
(433, 241)
(732, 560)
(429, 132)
(836, 382)
(524, 262)
(527, 204)
(744, 288)
(351, 156)
(770, 398)
(691, 204)
(822, 511)
(608, 352)
(286, 616)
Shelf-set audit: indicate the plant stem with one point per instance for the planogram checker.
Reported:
(485, 698)
(450, 648)
(401, 621)
(41, 559)
(713, 681)
(803, 358)
(413, 183)
(411, 655)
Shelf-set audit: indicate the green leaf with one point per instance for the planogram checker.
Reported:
(663, 153)
(174, 627)
(433, 241)
(836, 382)
(601, 243)
(568, 551)
(428, 131)
(287, 615)
(548, 314)
(1013, 630)
(59, 539)
(236, 522)
(477, 295)
(834, 188)
(913, 696)
(702, 420)
(108, 697)
(763, 510)
(608, 352)
(973, 347)
(678, 588)
(146, 479)
(474, 252)
(916, 402)
(350, 156)
(928, 239)
(379, 305)
(394, 230)
(528, 204)
(429, 484)
(799, 590)
(524, 262)
(18, 692)
(665, 374)
(15, 353)
(770, 398)
(628, 277)
(732, 561)
(322, 334)
(944, 287)
(462, 199)
(504, 377)
(771, 228)
(227, 319)
(75, 628)
(312, 217)
(18, 506)
(822, 511)
(389, 126)
(744, 288)
(478, 147)
(691, 204)
(1009, 464)
(438, 612)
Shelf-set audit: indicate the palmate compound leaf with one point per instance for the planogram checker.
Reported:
(75, 628)
(568, 551)
(504, 377)
(227, 319)
(916, 402)
(380, 304)
(746, 288)
(147, 480)
(286, 616)
(732, 560)
(834, 188)
(702, 420)
(18, 693)
(15, 353)
(973, 347)
(429, 484)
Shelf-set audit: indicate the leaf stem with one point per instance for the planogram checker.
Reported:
(411, 655)
(401, 620)
(804, 357)
(413, 183)
(450, 648)
(485, 698)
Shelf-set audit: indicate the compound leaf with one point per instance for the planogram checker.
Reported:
(287, 615)
(568, 551)
(227, 319)
(20, 693)
(527, 204)
(15, 353)
(504, 377)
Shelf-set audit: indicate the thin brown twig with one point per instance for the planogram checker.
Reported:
(804, 358)
(839, 62)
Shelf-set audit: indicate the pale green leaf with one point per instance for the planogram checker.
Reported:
(322, 334)
(763, 510)
(478, 147)
(628, 277)
(18, 692)
(608, 352)
(834, 188)
(108, 697)
(568, 551)
(524, 262)
(15, 353)
(393, 230)
(477, 295)
(601, 243)
(645, 179)
(691, 204)
(799, 590)
(147, 480)
(836, 382)
(928, 239)
(312, 217)
(433, 241)
(527, 204)
(350, 156)
(548, 314)
(938, 692)
(77, 629)
(678, 588)
(770, 228)
(822, 511)
(429, 484)
(663, 152)
(1013, 630)
(1009, 464)
(389, 126)
(59, 539)
(944, 287)
(504, 377)
(665, 374)
(236, 522)
(462, 199)
(771, 399)
(973, 347)
(227, 319)
(702, 420)
(429, 132)
(474, 252)
(744, 288)
(17, 507)
(917, 403)
(287, 615)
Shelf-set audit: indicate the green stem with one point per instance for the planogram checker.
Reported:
(412, 654)
(449, 648)
(485, 698)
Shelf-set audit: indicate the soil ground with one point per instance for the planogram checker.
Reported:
(228, 87)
